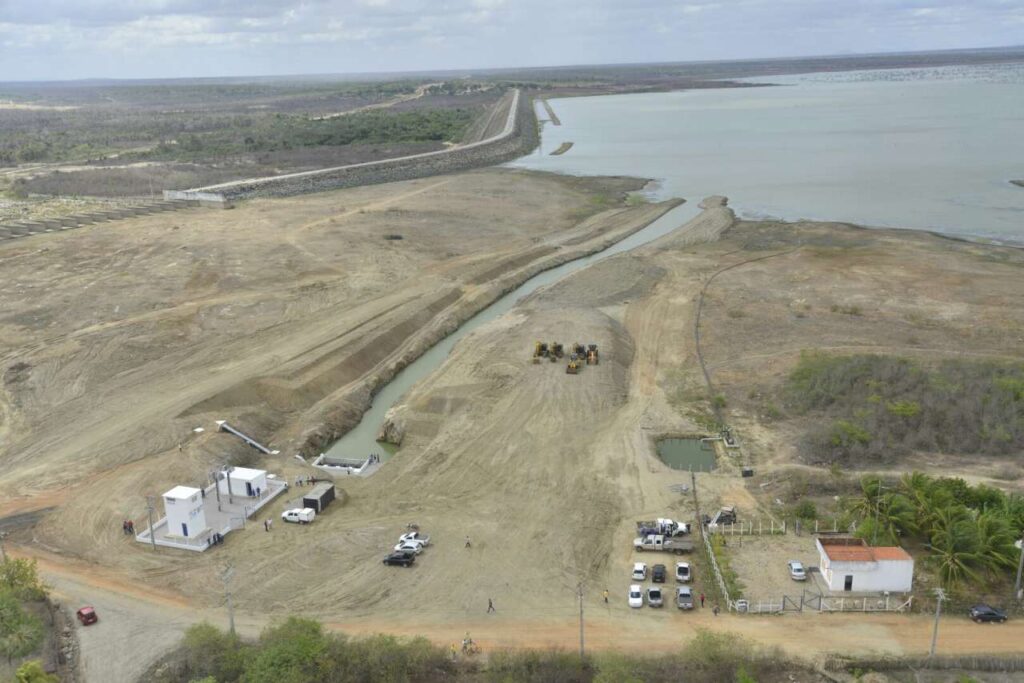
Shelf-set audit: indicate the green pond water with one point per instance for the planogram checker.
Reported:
(687, 454)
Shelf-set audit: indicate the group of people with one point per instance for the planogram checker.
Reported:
(305, 481)
(128, 527)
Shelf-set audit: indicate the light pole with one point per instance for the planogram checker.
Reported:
(216, 488)
(940, 595)
(226, 578)
(579, 593)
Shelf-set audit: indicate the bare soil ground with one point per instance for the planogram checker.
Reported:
(762, 564)
(545, 472)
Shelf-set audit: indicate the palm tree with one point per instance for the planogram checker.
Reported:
(955, 545)
(995, 539)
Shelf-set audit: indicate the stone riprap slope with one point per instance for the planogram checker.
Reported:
(518, 137)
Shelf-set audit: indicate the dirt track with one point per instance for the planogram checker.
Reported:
(546, 472)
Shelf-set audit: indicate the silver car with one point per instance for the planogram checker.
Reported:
(654, 598)
(684, 597)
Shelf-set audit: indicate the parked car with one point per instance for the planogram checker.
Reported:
(684, 597)
(639, 571)
(984, 613)
(409, 547)
(400, 559)
(683, 574)
(299, 515)
(654, 598)
(414, 536)
(87, 615)
(636, 596)
(658, 573)
(657, 542)
(797, 571)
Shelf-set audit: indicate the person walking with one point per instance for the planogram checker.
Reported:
(467, 542)
(701, 599)
(605, 594)
(266, 525)
(490, 606)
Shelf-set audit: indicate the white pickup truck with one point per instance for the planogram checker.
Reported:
(659, 542)
(299, 515)
(414, 537)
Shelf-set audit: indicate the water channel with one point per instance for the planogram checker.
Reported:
(362, 440)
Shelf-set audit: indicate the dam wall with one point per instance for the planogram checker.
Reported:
(517, 138)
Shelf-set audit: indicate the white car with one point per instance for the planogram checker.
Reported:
(299, 515)
(797, 571)
(416, 548)
(414, 536)
(636, 596)
(640, 571)
(654, 598)
(683, 574)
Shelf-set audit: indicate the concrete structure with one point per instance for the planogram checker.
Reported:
(220, 516)
(517, 138)
(849, 564)
(243, 482)
(186, 517)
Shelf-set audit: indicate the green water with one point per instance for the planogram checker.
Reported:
(687, 454)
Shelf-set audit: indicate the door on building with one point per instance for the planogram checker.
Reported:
(248, 489)
(184, 529)
(848, 583)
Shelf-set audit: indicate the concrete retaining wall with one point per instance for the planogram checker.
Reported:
(518, 137)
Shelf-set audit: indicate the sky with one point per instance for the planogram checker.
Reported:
(75, 39)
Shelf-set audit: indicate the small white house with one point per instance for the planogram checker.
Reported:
(243, 481)
(185, 514)
(849, 564)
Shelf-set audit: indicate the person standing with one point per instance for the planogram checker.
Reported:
(490, 606)
(605, 594)
(467, 541)
(701, 599)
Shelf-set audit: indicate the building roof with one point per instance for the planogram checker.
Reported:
(848, 549)
(182, 493)
(246, 474)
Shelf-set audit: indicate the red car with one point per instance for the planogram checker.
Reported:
(87, 615)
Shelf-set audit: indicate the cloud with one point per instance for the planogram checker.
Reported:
(86, 38)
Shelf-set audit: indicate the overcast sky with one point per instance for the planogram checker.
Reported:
(70, 39)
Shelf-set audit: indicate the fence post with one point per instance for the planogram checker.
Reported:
(783, 527)
(835, 525)
(773, 527)
(815, 526)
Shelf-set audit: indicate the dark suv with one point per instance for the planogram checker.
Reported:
(658, 573)
(983, 613)
(400, 559)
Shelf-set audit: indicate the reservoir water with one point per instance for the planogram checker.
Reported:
(909, 148)
(916, 148)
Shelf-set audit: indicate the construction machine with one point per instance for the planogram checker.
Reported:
(592, 358)
(540, 350)
(573, 367)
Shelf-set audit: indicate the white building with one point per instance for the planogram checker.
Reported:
(849, 564)
(185, 515)
(244, 482)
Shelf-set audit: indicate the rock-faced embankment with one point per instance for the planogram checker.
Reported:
(518, 136)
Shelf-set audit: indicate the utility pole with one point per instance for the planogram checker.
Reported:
(878, 499)
(579, 593)
(940, 595)
(226, 578)
(216, 488)
(149, 507)
(227, 474)
(1020, 568)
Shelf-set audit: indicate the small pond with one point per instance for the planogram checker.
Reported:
(687, 454)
